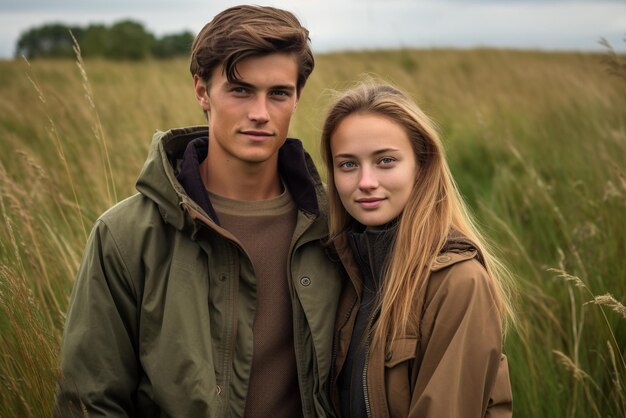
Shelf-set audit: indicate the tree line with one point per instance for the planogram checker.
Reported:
(126, 39)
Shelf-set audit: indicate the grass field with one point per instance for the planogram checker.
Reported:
(536, 141)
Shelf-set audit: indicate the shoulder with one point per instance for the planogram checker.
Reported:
(461, 295)
(459, 279)
(130, 216)
(456, 267)
(126, 210)
(130, 225)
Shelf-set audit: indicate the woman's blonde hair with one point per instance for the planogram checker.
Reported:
(434, 209)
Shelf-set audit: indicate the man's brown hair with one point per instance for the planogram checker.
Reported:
(242, 32)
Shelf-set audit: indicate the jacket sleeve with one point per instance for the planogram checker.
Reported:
(461, 371)
(99, 367)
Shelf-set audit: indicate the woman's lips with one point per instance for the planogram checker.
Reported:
(370, 203)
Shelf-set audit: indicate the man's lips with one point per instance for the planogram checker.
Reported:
(257, 135)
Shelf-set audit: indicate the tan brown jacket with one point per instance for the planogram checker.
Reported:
(456, 368)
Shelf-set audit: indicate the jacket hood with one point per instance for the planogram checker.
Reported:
(157, 180)
(457, 248)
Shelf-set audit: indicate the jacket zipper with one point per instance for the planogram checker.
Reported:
(368, 408)
(232, 337)
(378, 280)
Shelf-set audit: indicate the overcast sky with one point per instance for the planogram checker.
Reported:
(358, 24)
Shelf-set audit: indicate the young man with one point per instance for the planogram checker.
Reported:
(209, 293)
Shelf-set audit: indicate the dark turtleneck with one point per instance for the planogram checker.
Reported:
(371, 249)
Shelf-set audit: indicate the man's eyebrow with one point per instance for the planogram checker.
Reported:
(289, 87)
(241, 83)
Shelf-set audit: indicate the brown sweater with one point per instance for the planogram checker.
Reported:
(265, 229)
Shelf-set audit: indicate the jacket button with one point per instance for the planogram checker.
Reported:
(305, 281)
(443, 259)
(388, 355)
(222, 277)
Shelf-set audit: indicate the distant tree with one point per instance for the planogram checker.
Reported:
(50, 40)
(125, 39)
(173, 45)
(129, 40)
(96, 41)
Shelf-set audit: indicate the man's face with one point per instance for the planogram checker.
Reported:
(249, 119)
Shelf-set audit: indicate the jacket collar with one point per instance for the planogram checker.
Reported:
(371, 249)
(170, 176)
(456, 248)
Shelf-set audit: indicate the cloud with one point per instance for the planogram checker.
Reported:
(334, 24)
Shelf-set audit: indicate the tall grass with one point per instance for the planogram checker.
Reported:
(536, 141)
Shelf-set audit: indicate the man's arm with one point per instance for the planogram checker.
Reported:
(99, 360)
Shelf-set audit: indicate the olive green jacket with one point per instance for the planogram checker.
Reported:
(160, 318)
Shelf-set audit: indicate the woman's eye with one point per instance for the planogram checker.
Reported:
(387, 160)
(347, 165)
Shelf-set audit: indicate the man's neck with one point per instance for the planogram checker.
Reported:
(238, 181)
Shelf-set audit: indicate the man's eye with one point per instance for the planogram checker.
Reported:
(281, 94)
(239, 90)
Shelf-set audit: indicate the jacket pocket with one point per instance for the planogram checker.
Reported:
(401, 350)
(399, 359)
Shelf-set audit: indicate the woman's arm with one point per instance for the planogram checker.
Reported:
(459, 370)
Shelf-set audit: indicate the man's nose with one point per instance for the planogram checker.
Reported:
(258, 111)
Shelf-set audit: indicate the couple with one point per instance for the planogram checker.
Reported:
(230, 285)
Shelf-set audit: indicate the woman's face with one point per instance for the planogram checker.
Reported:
(374, 167)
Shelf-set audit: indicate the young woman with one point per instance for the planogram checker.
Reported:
(420, 322)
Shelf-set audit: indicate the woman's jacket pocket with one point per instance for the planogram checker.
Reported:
(399, 360)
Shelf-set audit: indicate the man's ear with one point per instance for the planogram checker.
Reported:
(202, 92)
(298, 97)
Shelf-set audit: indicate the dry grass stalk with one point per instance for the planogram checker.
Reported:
(569, 278)
(581, 378)
(613, 61)
(603, 300)
(30, 346)
(618, 378)
(32, 248)
(58, 143)
(546, 194)
(571, 366)
(609, 301)
(97, 129)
